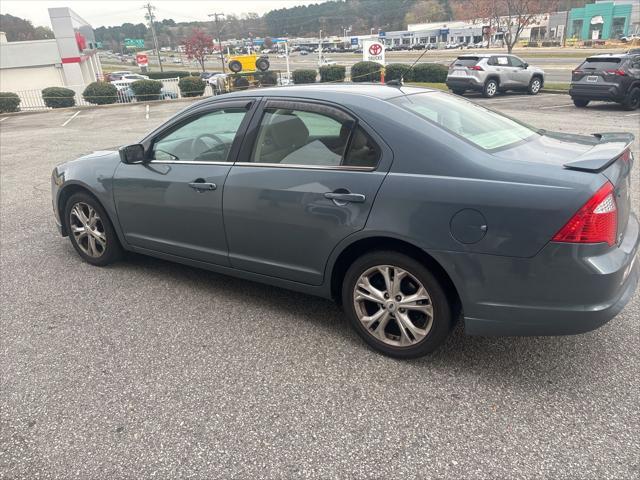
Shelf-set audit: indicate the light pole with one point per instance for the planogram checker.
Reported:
(320, 49)
(150, 8)
(219, 30)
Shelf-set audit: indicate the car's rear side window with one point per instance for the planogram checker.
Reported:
(484, 128)
(599, 64)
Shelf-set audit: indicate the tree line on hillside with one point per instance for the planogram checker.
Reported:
(334, 17)
(18, 29)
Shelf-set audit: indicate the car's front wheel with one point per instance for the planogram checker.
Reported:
(490, 88)
(90, 230)
(580, 102)
(534, 86)
(396, 304)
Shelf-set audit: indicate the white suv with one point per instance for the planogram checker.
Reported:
(491, 73)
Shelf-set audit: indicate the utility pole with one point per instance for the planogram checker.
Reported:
(150, 9)
(219, 32)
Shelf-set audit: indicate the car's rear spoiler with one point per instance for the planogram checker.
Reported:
(603, 154)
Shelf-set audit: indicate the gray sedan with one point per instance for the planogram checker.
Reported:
(412, 208)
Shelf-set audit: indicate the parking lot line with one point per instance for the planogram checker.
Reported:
(3, 119)
(557, 106)
(72, 117)
(146, 115)
(627, 115)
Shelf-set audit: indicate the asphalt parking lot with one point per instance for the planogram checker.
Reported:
(149, 369)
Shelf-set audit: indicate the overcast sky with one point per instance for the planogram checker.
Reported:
(115, 12)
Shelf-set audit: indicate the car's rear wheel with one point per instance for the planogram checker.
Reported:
(534, 86)
(632, 100)
(490, 88)
(396, 304)
(90, 230)
(580, 102)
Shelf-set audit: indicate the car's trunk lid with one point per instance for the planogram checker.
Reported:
(598, 70)
(608, 154)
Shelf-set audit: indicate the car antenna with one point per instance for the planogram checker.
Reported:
(400, 83)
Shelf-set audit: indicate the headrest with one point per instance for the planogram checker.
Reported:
(288, 131)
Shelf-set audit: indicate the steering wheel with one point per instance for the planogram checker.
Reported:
(198, 144)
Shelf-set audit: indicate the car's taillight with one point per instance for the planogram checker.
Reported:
(595, 222)
(476, 67)
(577, 72)
(626, 156)
(619, 73)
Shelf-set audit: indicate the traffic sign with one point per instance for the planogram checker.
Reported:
(382, 34)
(142, 60)
(373, 51)
(354, 41)
(134, 42)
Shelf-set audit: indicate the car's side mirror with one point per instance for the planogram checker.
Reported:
(132, 153)
(525, 65)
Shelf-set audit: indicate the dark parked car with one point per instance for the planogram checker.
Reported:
(612, 78)
(411, 207)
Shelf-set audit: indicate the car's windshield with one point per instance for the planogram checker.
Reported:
(482, 127)
(601, 63)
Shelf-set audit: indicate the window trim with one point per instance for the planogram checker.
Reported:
(306, 106)
(191, 115)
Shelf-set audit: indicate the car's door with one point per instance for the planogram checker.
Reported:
(502, 67)
(172, 203)
(306, 178)
(520, 76)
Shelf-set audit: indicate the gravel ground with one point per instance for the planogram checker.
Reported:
(153, 370)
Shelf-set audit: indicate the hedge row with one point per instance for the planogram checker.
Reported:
(59, 97)
(422, 72)
(9, 102)
(170, 74)
(304, 76)
(332, 73)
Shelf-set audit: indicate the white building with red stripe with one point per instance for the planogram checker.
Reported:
(68, 60)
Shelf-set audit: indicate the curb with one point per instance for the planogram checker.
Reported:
(557, 92)
(111, 105)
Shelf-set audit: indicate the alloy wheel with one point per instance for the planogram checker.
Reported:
(491, 88)
(88, 230)
(393, 306)
(535, 86)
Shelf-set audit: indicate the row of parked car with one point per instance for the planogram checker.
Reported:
(605, 77)
(122, 80)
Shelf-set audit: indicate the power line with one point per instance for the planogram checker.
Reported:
(150, 9)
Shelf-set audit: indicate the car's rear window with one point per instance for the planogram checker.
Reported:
(484, 128)
(601, 63)
(465, 61)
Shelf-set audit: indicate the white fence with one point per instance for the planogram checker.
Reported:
(31, 100)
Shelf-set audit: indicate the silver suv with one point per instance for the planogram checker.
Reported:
(491, 73)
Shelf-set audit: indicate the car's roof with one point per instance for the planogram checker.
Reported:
(609, 55)
(323, 91)
(485, 55)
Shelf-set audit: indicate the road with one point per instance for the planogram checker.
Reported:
(149, 369)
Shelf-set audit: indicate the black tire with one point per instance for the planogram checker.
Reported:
(241, 83)
(235, 66)
(113, 250)
(442, 314)
(458, 92)
(535, 85)
(580, 102)
(632, 100)
(490, 88)
(262, 64)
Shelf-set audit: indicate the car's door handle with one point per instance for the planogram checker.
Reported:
(203, 186)
(342, 198)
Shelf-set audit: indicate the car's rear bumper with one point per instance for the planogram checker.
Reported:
(565, 289)
(463, 83)
(609, 93)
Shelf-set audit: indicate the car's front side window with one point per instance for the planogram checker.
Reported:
(516, 62)
(309, 138)
(208, 138)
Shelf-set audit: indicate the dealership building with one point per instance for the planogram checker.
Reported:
(68, 60)
(604, 20)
